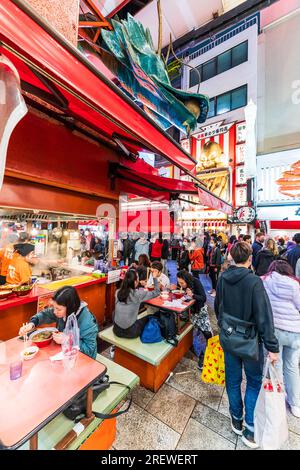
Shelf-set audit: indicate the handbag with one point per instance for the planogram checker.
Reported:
(237, 336)
(168, 326)
(270, 420)
(213, 371)
(151, 332)
(201, 320)
(77, 410)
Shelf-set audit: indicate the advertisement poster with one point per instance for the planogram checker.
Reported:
(44, 302)
(213, 169)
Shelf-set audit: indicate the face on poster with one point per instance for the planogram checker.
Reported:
(214, 158)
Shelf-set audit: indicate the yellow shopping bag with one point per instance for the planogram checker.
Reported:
(213, 366)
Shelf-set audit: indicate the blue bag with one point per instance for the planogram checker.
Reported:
(151, 333)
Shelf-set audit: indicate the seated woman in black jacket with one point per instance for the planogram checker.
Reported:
(193, 288)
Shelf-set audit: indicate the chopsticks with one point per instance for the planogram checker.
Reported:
(25, 337)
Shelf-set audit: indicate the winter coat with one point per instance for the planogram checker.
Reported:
(197, 259)
(263, 261)
(293, 256)
(256, 247)
(165, 250)
(87, 324)
(141, 248)
(284, 295)
(127, 248)
(214, 257)
(156, 249)
(184, 260)
(241, 294)
(298, 269)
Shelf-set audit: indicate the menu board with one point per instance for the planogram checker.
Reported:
(113, 276)
(44, 302)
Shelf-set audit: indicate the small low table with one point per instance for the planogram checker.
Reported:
(43, 392)
(158, 302)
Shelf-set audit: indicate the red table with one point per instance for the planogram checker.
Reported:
(44, 391)
(158, 302)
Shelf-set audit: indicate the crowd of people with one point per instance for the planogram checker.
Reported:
(254, 281)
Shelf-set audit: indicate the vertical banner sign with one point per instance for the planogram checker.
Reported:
(250, 160)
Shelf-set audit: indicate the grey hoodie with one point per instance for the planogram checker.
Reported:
(141, 248)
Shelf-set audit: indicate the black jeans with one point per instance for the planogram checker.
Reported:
(134, 331)
(214, 276)
(196, 272)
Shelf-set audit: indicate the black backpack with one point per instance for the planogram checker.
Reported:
(168, 326)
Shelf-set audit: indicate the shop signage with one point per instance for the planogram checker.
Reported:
(240, 175)
(241, 196)
(243, 215)
(279, 212)
(241, 132)
(113, 276)
(213, 130)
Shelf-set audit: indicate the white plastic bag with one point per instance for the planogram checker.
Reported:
(71, 343)
(270, 421)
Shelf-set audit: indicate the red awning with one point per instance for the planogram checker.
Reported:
(155, 182)
(43, 57)
(151, 182)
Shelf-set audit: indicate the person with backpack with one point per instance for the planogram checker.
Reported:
(128, 301)
(65, 302)
(245, 320)
(283, 290)
(214, 264)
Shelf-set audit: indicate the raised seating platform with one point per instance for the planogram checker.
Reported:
(100, 434)
(151, 362)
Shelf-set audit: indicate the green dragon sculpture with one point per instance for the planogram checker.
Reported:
(129, 54)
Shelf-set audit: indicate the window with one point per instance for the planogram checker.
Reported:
(223, 103)
(212, 108)
(239, 97)
(240, 54)
(209, 70)
(224, 62)
(194, 77)
(228, 102)
(221, 63)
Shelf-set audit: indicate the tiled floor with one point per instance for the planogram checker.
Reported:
(185, 414)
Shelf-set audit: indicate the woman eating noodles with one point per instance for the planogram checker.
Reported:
(193, 288)
(65, 302)
(128, 301)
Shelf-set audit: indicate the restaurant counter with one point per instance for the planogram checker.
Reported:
(18, 310)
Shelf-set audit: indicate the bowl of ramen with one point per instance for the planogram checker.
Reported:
(29, 353)
(42, 337)
(22, 290)
(5, 294)
(178, 294)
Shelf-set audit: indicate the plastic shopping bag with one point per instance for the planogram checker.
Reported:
(213, 366)
(270, 421)
(71, 343)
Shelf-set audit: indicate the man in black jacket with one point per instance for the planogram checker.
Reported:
(257, 246)
(294, 253)
(241, 294)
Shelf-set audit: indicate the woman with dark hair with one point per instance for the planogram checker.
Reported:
(65, 302)
(143, 267)
(283, 289)
(193, 288)
(128, 301)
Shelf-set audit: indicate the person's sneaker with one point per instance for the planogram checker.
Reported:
(295, 410)
(237, 426)
(248, 439)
